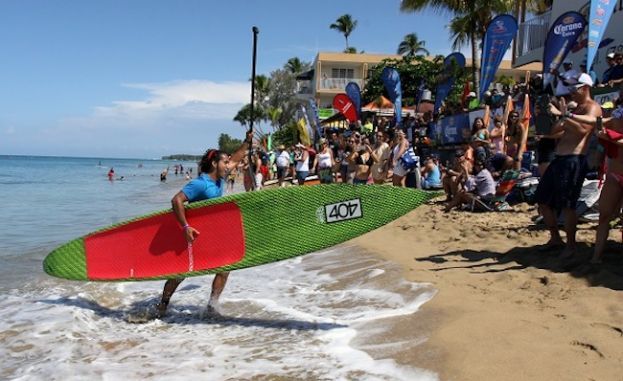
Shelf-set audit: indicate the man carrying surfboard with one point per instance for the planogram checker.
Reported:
(213, 168)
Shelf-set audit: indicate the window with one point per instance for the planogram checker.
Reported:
(342, 73)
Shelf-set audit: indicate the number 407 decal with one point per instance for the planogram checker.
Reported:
(342, 211)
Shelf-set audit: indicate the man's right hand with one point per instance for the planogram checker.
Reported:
(190, 233)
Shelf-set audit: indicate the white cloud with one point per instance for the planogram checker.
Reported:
(170, 117)
(181, 99)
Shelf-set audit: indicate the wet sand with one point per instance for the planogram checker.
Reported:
(504, 310)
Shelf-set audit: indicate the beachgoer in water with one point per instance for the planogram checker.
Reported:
(111, 174)
(231, 178)
(213, 168)
(561, 184)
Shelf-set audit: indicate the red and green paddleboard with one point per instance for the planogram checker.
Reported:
(238, 231)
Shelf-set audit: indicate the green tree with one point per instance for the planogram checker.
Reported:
(296, 66)
(286, 135)
(244, 115)
(228, 144)
(282, 95)
(469, 22)
(345, 25)
(411, 46)
(413, 71)
(273, 114)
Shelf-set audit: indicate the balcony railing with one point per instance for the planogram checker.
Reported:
(338, 83)
(532, 34)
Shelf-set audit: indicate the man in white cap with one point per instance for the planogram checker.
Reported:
(560, 185)
(567, 74)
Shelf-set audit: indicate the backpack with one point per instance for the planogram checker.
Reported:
(409, 159)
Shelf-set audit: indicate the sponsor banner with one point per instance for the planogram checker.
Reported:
(599, 16)
(344, 105)
(354, 93)
(453, 129)
(391, 80)
(447, 78)
(500, 33)
(562, 35)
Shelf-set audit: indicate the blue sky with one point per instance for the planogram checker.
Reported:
(150, 78)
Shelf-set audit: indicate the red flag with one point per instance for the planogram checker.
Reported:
(344, 105)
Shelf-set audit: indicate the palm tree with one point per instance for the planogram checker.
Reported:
(345, 25)
(273, 114)
(295, 65)
(411, 46)
(262, 87)
(470, 21)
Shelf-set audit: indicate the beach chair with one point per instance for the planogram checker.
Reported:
(498, 202)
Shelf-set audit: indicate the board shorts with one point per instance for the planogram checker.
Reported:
(561, 184)
(546, 150)
(281, 172)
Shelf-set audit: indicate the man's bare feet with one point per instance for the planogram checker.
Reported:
(161, 309)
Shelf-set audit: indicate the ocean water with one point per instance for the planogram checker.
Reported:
(325, 316)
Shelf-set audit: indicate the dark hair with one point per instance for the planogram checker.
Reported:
(209, 160)
(474, 128)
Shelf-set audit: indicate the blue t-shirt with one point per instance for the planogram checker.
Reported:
(203, 188)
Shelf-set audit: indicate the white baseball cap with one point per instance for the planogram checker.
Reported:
(582, 80)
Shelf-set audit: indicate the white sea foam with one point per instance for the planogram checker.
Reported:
(313, 317)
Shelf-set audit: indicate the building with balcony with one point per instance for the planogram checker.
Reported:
(332, 71)
(532, 32)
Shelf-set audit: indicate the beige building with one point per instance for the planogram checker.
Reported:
(331, 72)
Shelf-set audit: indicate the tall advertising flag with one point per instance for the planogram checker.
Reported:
(561, 37)
(344, 105)
(391, 80)
(446, 81)
(354, 93)
(601, 11)
(500, 33)
(314, 108)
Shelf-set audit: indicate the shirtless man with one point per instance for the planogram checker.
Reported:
(560, 186)
(611, 195)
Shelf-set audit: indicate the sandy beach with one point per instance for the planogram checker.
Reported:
(504, 310)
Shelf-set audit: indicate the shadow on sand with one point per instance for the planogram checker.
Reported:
(142, 312)
(608, 274)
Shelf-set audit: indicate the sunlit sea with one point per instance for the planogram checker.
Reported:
(324, 316)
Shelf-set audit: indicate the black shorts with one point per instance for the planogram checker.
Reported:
(561, 183)
(281, 172)
(546, 150)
